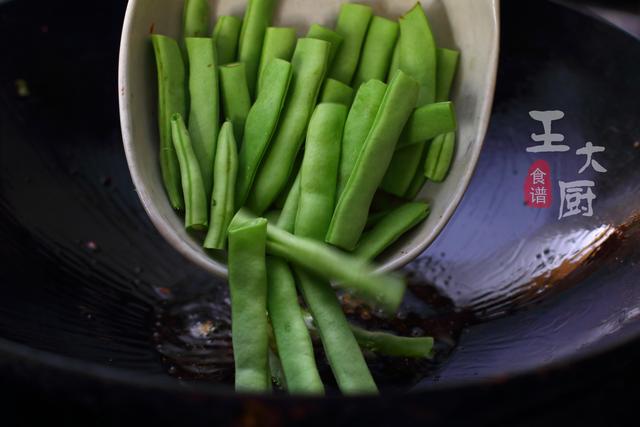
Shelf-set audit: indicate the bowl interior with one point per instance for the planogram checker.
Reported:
(469, 26)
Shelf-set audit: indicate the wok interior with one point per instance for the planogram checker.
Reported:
(86, 276)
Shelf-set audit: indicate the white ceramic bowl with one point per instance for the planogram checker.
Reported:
(471, 26)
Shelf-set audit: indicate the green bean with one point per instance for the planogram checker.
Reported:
(418, 52)
(204, 114)
(235, 96)
(447, 65)
(319, 172)
(279, 43)
(261, 124)
(294, 343)
(337, 93)
(440, 156)
(309, 67)
(428, 122)
(171, 100)
(276, 371)
(395, 61)
(378, 51)
(351, 273)
(340, 346)
(222, 201)
(225, 36)
(322, 33)
(393, 345)
(195, 18)
(418, 59)
(195, 217)
(350, 216)
(353, 22)
(401, 171)
(287, 220)
(390, 229)
(256, 20)
(359, 122)
(282, 198)
(248, 288)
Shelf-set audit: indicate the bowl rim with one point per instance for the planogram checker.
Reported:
(218, 268)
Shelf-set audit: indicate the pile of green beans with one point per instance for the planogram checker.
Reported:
(314, 130)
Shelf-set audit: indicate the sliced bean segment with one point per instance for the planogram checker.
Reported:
(171, 100)
(359, 122)
(257, 18)
(447, 66)
(279, 43)
(287, 220)
(225, 36)
(222, 201)
(337, 92)
(401, 172)
(353, 22)
(341, 348)
(294, 343)
(440, 156)
(393, 345)
(204, 114)
(350, 216)
(428, 122)
(418, 59)
(195, 18)
(249, 323)
(378, 51)
(349, 272)
(261, 124)
(235, 96)
(319, 172)
(309, 67)
(193, 189)
(390, 228)
(322, 33)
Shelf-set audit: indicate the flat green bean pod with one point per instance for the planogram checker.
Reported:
(309, 67)
(392, 345)
(287, 220)
(353, 23)
(222, 200)
(171, 100)
(204, 115)
(319, 172)
(341, 348)
(279, 43)
(395, 61)
(294, 343)
(390, 229)
(319, 32)
(225, 36)
(350, 217)
(351, 273)
(195, 198)
(440, 156)
(418, 58)
(447, 65)
(337, 93)
(428, 122)
(248, 288)
(257, 18)
(235, 96)
(359, 122)
(378, 51)
(261, 124)
(195, 18)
